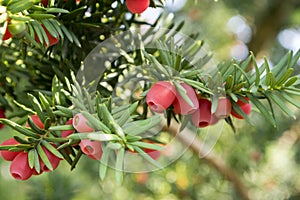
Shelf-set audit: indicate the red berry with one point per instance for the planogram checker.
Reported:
(154, 154)
(2, 115)
(7, 35)
(203, 116)
(9, 155)
(181, 106)
(37, 121)
(19, 167)
(245, 106)
(137, 6)
(54, 160)
(80, 124)
(66, 133)
(93, 149)
(160, 96)
(52, 40)
(224, 108)
(45, 3)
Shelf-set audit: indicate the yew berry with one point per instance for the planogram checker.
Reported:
(203, 116)
(52, 40)
(224, 108)
(6, 154)
(93, 149)
(181, 106)
(80, 124)
(137, 6)
(54, 160)
(154, 154)
(2, 115)
(7, 35)
(161, 96)
(37, 121)
(44, 3)
(19, 167)
(66, 133)
(245, 106)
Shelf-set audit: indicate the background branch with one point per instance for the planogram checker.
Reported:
(215, 161)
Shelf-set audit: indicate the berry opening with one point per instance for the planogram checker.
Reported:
(17, 176)
(76, 120)
(152, 105)
(89, 149)
(203, 124)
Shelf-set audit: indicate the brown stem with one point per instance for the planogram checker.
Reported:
(199, 148)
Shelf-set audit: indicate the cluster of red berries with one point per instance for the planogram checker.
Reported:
(19, 167)
(163, 94)
(93, 149)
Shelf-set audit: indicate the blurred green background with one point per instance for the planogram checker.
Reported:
(266, 159)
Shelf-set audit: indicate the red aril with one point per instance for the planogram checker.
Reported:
(203, 116)
(52, 40)
(137, 6)
(66, 133)
(19, 167)
(245, 106)
(181, 106)
(224, 108)
(9, 155)
(80, 124)
(161, 96)
(37, 121)
(7, 35)
(54, 160)
(93, 149)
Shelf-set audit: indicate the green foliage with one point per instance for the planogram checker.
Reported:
(41, 78)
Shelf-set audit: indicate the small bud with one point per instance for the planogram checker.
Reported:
(93, 149)
(79, 123)
(181, 106)
(19, 167)
(160, 96)
(9, 155)
(137, 6)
